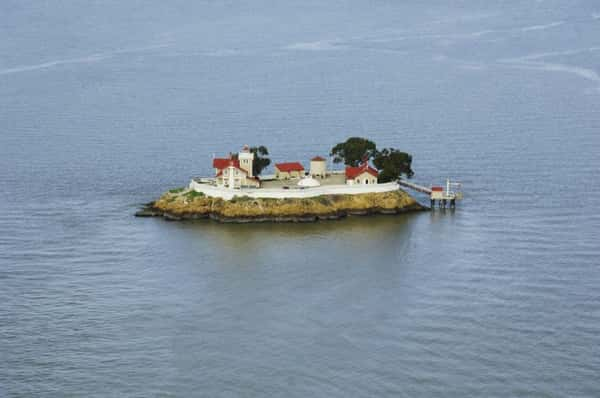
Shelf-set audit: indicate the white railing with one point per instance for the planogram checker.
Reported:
(414, 186)
(279, 193)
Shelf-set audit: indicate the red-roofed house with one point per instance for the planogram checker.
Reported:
(233, 176)
(221, 163)
(285, 171)
(363, 174)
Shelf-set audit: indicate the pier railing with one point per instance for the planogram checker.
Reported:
(416, 187)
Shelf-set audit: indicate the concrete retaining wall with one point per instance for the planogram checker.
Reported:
(228, 194)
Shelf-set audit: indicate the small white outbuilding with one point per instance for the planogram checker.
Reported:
(308, 182)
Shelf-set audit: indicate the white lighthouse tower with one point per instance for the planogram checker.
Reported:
(246, 159)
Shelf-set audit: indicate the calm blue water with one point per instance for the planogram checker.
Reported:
(105, 105)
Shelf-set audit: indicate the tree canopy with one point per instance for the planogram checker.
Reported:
(390, 162)
(261, 161)
(353, 151)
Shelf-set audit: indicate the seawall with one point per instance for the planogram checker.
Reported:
(312, 192)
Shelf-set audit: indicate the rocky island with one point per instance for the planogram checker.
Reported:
(239, 193)
(186, 204)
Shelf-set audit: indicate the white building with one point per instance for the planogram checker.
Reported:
(318, 167)
(234, 177)
(363, 174)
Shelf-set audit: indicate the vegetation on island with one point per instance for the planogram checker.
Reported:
(353, 151)
(391, 162)
(261, 161)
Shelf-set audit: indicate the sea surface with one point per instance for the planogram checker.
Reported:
(106, 104)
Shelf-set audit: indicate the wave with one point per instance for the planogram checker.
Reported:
(222, 52)
(79, 60)
(585, 73)
(547, 54)
(327, 45)
(471, 66)
(534, 62)
(50, 64)
(320, 45)
(542, 27)
(470, 35)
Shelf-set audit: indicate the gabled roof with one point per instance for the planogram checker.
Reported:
(231, 163)
(221, 163)
(318, 159)
(289, 166)
(353, 172)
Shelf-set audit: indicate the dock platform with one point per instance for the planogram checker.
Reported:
(443, 196)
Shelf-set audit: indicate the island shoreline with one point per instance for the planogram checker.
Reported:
(186, 206)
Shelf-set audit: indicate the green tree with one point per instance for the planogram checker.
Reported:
(392, 163)
(261, 161)
(353, 151)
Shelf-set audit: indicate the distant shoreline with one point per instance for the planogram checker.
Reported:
(185, 204)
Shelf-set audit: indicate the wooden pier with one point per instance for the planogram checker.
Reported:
(444, 197)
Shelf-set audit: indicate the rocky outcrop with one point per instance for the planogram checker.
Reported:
(189, 205)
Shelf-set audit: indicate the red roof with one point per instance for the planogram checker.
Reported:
(318, 159)
(289, 166)
(221, 163)
(352, 172)
(437, 189)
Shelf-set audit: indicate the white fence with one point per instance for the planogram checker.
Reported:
(228, 194)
